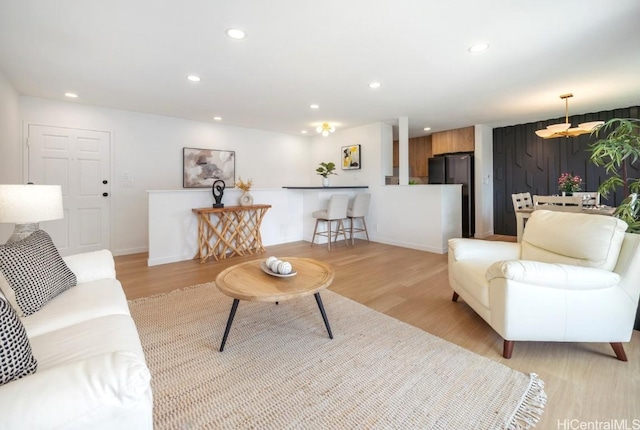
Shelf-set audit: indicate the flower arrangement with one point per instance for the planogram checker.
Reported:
(244, 186)
(569, 183)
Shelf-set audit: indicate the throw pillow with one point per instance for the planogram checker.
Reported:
(34, 272)
(16, 358)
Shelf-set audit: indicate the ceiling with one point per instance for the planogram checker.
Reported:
(136, 55)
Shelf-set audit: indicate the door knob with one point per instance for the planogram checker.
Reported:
(105, 182)
(105, 194)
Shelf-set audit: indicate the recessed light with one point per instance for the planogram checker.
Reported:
(304, 132)
(314, 106)
(217, 118)
(236, 33)
(479, 47)
(71, 95)
(194, 78)
(427, 128)
(374, 85)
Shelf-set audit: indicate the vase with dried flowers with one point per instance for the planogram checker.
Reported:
(568, 183)
(246, 199)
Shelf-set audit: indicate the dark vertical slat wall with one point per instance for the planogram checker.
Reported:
(523, 162)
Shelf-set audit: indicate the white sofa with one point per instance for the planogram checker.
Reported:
(91, 368)
(573, 278)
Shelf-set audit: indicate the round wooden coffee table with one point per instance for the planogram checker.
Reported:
(247, 281)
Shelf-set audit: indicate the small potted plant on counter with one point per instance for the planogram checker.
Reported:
(324, 170)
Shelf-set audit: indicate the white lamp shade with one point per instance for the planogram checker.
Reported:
(556, 128)
(544, 133)
(24, 204)
(588, 126)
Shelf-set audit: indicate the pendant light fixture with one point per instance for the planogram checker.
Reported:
(325, 129)
(564, 129)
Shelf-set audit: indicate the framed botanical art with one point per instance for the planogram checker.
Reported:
(351, 157)
(201, 167)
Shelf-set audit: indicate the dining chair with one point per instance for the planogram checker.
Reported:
(589, 198)
(522, 206)
(558, 203)
(335, 212)
(521, 201)
(358, 210)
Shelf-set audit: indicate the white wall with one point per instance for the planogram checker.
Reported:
(149, 148)
(10, 148)
(413, 216)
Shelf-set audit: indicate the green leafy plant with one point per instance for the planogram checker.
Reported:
(326, 169)
(614, 152)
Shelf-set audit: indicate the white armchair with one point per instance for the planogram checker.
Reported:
(573, 278)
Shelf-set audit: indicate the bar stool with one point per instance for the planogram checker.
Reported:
(336, 211)
(359, 210)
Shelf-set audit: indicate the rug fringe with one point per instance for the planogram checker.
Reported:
(179, 290)
(531, 406)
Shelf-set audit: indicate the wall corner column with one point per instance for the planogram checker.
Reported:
(403, 150)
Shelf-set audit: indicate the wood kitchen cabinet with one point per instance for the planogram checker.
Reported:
(458, 140)
(419, 153)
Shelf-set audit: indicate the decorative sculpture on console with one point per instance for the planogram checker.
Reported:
(217, 189)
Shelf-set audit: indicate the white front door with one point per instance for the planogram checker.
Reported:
(79, 160)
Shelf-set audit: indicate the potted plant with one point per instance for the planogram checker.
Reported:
(613, 152)
(568, 183)
(324, 170)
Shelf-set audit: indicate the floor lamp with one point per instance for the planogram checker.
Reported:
(27, 205)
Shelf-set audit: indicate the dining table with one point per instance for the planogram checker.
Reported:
(525, 213)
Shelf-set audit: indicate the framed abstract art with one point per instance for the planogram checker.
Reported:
(201, 167)
(351, 157)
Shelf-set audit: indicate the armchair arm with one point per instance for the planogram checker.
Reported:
(92, 266)
(75, 392)
(474, 249)
(562, 276)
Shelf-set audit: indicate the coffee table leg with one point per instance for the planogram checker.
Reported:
(324, 315)
(234, 306)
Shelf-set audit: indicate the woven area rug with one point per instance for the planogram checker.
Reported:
(280, 370)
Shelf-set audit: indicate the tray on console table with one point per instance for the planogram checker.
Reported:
(229, 231)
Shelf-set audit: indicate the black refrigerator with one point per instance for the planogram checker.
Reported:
(457, 169)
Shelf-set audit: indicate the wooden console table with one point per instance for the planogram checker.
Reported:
(232, 230)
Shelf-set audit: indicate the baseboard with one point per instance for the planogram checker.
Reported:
(483, 235)
(411, 245)
(128, 251)
(170, 259)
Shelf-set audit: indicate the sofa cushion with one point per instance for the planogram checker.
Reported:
(81, 303)
(573, 238)
(103, 392)
(33, 272)
(16, 357)
(86, 339)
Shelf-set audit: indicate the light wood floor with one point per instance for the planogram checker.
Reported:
(583, 381)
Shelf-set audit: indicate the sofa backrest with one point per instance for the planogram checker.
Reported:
(573, 238)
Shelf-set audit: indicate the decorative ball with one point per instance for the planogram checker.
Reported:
(274, 265)
(284, 268)
(268, 261)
